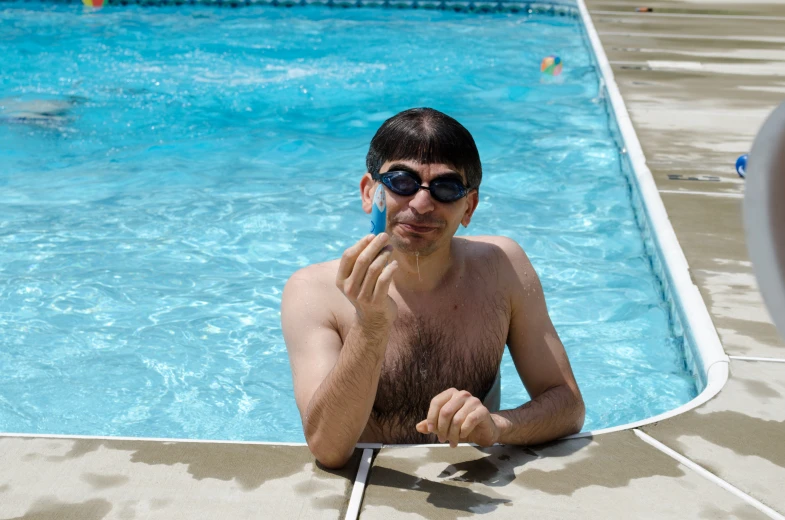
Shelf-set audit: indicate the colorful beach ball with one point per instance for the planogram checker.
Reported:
(551, 65)
(93, 3)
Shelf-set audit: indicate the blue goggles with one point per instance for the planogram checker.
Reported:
(407, 184)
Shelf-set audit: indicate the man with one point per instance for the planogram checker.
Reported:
(401, 339)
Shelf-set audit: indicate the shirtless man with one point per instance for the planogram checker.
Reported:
(400, 340)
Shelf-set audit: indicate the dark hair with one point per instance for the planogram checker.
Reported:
(427, 136)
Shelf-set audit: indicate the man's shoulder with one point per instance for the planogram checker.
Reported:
(316, 276)
(311, 295)
(505, 253)
(488, 246)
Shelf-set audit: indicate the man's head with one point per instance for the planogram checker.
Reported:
(426, 136)
(432, 150)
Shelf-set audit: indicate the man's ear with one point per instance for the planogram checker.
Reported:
(473, 198)
(367, 185)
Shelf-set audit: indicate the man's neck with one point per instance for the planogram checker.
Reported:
(419, 273)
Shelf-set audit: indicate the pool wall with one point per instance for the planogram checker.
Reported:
(553, 7)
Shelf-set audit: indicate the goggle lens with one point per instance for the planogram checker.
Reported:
(406, 184)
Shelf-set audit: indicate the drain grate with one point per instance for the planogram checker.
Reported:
(705, 178)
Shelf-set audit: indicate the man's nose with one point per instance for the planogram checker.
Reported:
(422, 202)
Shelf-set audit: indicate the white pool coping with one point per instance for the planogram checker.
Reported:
(697, 323)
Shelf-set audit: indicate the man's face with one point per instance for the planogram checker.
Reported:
(418, 223)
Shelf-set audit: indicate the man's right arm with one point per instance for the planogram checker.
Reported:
(335, 381)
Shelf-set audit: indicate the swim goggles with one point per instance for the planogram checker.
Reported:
(407, 184)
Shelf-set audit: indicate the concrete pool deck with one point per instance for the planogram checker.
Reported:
(698, 79)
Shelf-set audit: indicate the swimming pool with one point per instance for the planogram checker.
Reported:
(165, 170)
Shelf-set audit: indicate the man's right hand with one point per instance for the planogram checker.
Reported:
(364, 277)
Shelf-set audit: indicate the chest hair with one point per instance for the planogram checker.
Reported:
(424, 358)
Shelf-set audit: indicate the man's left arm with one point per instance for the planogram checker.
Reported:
(556, 408)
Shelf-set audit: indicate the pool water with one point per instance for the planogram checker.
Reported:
(164, 171)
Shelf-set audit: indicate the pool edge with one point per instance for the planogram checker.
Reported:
(698, 326)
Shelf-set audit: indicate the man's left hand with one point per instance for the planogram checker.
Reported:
(457, 416)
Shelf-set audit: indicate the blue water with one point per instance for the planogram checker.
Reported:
(164, 171)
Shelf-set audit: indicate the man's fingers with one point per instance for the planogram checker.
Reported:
(384, 281)
(454, 433)
(372, 275)
(436, 406)
(348, 259)
(447, 412)
(471, 422)
(453, 414)
(471, 412)
(354, 281)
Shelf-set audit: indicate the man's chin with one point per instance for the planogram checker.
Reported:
(413, 243)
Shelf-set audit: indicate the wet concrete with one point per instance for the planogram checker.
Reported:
(698, 89)
(610, 476)
(740, 434)
(50, 509)
(240, 463)
(63, 479)
(710, 230)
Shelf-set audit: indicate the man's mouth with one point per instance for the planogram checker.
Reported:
(414, 228)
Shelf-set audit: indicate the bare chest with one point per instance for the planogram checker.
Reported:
(433, 348)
